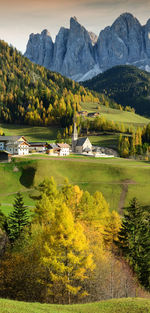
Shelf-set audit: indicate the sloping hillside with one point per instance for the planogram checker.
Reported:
(127, 85)
(30, 94)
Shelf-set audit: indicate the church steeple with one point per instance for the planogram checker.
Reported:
(75, 133)
(74, 138)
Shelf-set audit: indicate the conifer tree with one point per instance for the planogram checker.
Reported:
(134, 240)
(18, 219)
(130, 230)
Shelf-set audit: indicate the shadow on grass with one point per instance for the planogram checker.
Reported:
(27, 176)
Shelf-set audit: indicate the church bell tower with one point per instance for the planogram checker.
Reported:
(74, 138)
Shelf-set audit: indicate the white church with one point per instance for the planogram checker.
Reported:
(80, 145)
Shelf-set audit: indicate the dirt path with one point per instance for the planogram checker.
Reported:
(123, 195)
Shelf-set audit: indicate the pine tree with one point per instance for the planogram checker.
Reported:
(130, 229)
(134, 240)
(18, 219)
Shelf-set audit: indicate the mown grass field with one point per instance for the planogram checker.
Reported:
(110, 306)
(118, 179)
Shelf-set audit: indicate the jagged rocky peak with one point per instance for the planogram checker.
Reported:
(78, 54)
(127, 18)
(74, 22)
(78, 30)
(121, 43)
(79, 57)
(126, 24)
(129, 29)
(40, 48)
(45, 32)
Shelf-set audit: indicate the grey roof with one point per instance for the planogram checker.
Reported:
(10, 138)
(37, 143)
(53, 145)
(81, 141)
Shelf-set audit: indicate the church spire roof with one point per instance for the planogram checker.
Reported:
(75, 133)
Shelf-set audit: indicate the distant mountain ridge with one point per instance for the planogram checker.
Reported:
(125, 84)
(80, 55)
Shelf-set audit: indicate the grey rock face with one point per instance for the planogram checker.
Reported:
(78, 53)
(147, 38)
(78, 57)
(121, 43)
(111, 49)
(40, 48)
(60, 48)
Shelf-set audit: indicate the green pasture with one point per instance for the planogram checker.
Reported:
(31, 133)
(115, 178)
(135, 305)
(105, 139)
(116, 115)
(37, 133)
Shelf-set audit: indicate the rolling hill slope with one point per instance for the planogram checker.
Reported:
(118, 179)
(111, 306)
(127, 85)
(30, 94)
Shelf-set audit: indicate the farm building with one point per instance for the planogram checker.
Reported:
(38, 146)
(14, 145)
(61, 149)
(93, 114)
(5, 156)
(64, 149)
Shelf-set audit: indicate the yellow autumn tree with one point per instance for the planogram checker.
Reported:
(65, 256)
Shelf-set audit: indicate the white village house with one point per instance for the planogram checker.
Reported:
(59, 149)
(14, 145)
(64, 149)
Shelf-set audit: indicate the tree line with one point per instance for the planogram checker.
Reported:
(136, 144)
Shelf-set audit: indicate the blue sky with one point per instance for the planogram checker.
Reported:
(20, 18)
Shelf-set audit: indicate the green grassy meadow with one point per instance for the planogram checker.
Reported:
(106, 175)
(111, 306)
(49, 134)
(31, 133)
(115, 178)
(117, 116)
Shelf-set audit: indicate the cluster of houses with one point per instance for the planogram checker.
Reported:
(18, 145)
(90, 114)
